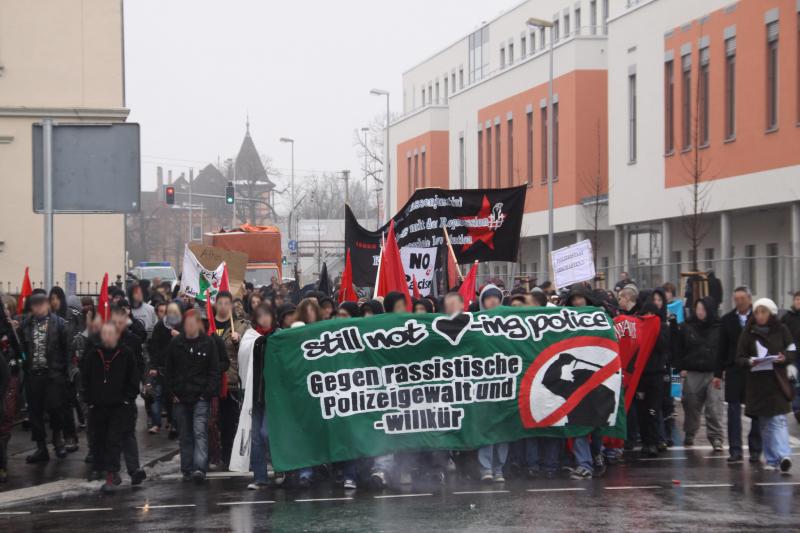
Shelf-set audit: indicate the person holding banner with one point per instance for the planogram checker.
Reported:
(649, 391)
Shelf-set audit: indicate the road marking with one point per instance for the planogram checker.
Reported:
(384, 496)
(563, 489)
(172, 506)
(325, 499)
(90, 510)
(256, 502)
(675, 458)
(778, 483)
(633, 487)
(226, 475)
(13, 513)
(482, 492)
(723, 457)
(706, 485)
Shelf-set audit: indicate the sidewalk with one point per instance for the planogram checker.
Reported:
(60, 476)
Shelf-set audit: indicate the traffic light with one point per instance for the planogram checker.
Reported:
(229, 193)
(169, 195)
(284, 261)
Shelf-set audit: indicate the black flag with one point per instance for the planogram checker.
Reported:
(324, 284)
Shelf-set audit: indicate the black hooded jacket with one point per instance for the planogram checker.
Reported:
(698, 341)
(191, 370)
(109, 377)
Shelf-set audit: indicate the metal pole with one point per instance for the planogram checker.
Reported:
(366, 178)
(550, 120)
(388, 166)
(191, 181)
(233, 205)
(346, 178)
(47, 168)
(292, 209)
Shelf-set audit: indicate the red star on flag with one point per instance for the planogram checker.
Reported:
(480, 233)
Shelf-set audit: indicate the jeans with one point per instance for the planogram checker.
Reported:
(585, 450)
(541, 453)
(383, 463)
(259, 445)
(700, 395)
(775, 436)
(192, 419)
(155, 405)
(492, 458)
(735, 432)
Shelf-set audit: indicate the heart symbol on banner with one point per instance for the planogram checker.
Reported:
(453, 327)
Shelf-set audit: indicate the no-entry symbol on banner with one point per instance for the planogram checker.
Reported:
(575, 381)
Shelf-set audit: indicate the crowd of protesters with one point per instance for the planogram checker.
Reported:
(65, 367)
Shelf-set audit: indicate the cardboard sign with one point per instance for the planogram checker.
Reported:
(572, 264)
(419, 263)
(211, 257)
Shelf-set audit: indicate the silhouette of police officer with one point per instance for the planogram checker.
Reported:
(596, 407)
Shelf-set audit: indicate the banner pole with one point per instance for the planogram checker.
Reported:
(452, 253)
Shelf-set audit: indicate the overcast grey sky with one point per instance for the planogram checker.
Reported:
(301, 69)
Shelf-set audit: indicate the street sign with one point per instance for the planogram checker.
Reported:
(96, 168)
(292, 245)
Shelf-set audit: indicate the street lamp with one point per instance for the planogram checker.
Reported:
(366, 176)
(541, 24)
(291, 204)
(387, 165)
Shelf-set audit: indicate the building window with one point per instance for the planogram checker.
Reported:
(430, 94)
(532, 37)
(480, 158)
(708, 256)
(605, 17)
(423, 181)
(510, 53)
(497, 156)
(453, 82)
(593, 17)
(730, 88)
(677, 265)
(555, 141)
(669, 107)
(556, 30)
(489, 156)
(502, 58)
(408, 172)
(460, 78)
(631, 118)
(523, 47)
(703, 84)
(773, 272)
(446, 88)
(529, 147)
(578, 20)
(437, 92)
(543, 137)
(541, 38)
(749, 267)
(416, 173)
(686, 104)
(423, 97)
(478, 54)
(510, 138)
(461, 156)
(772, 75)
(566, 24)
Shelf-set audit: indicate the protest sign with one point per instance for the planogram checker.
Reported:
(398, 382)
(419, 264)
(572, 264)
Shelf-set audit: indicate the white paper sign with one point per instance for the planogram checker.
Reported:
(419, 263)
(572, 264)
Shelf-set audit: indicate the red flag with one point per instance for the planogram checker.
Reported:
(417, 295)
(24, 292)
(224, 283)
(346, 291)
(467, 290)
(637, 336)
(102, 300)
(391, 276)
(212, 323)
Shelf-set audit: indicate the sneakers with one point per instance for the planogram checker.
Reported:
(378, 479)
(581, 473)
(649, 451)
(3, 475)
(498, 478)
(257, 485)
(72, 445)
(187, 476)
(688, 442)
(303, 482)
(662, 446)
(198, 476)
(755, 459)
(785, 465)
(532, 473)
(61, 451)
(278, 478)
(487, 478)
(41, 455)
(139, 475)
(599, 465)
(155, 430)
(717, 446)
(349, 484)
(735, 458)
(770, 468)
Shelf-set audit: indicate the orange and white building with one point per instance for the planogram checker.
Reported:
(647, 95)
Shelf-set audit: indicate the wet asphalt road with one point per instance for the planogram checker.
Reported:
(682, 490)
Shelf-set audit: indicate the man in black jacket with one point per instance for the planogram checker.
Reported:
(191, 377)
(46, 346)
(732, 324)
(110, 385)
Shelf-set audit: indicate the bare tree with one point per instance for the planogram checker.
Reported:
(324, 197)
(694, 209)
(594, 201)
(373, 149)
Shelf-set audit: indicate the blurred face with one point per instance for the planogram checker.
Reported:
(742, 301)
(264, 320)
(419, 308)
(55, 302)
(238, 307)
(578, 301)
(95, 325)
(761, 315)
(40, 309)
(399, 306)
(797, 302)
(490, 302)
(224, 307)
(255, 300)
(136, 295)
(529, 299)
(192, 326)
(109, 336)
(517, 302)
(161, 310)
(327, 310)
(173, 316)
(289, 319)
(700, 311)
(453, 304)
(342, 313)
(366, 311)
(120, 320)
(658, 300)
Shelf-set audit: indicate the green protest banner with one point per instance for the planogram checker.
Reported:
(343, 389)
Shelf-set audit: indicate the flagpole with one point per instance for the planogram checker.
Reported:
(378, 273)
(452, 253)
